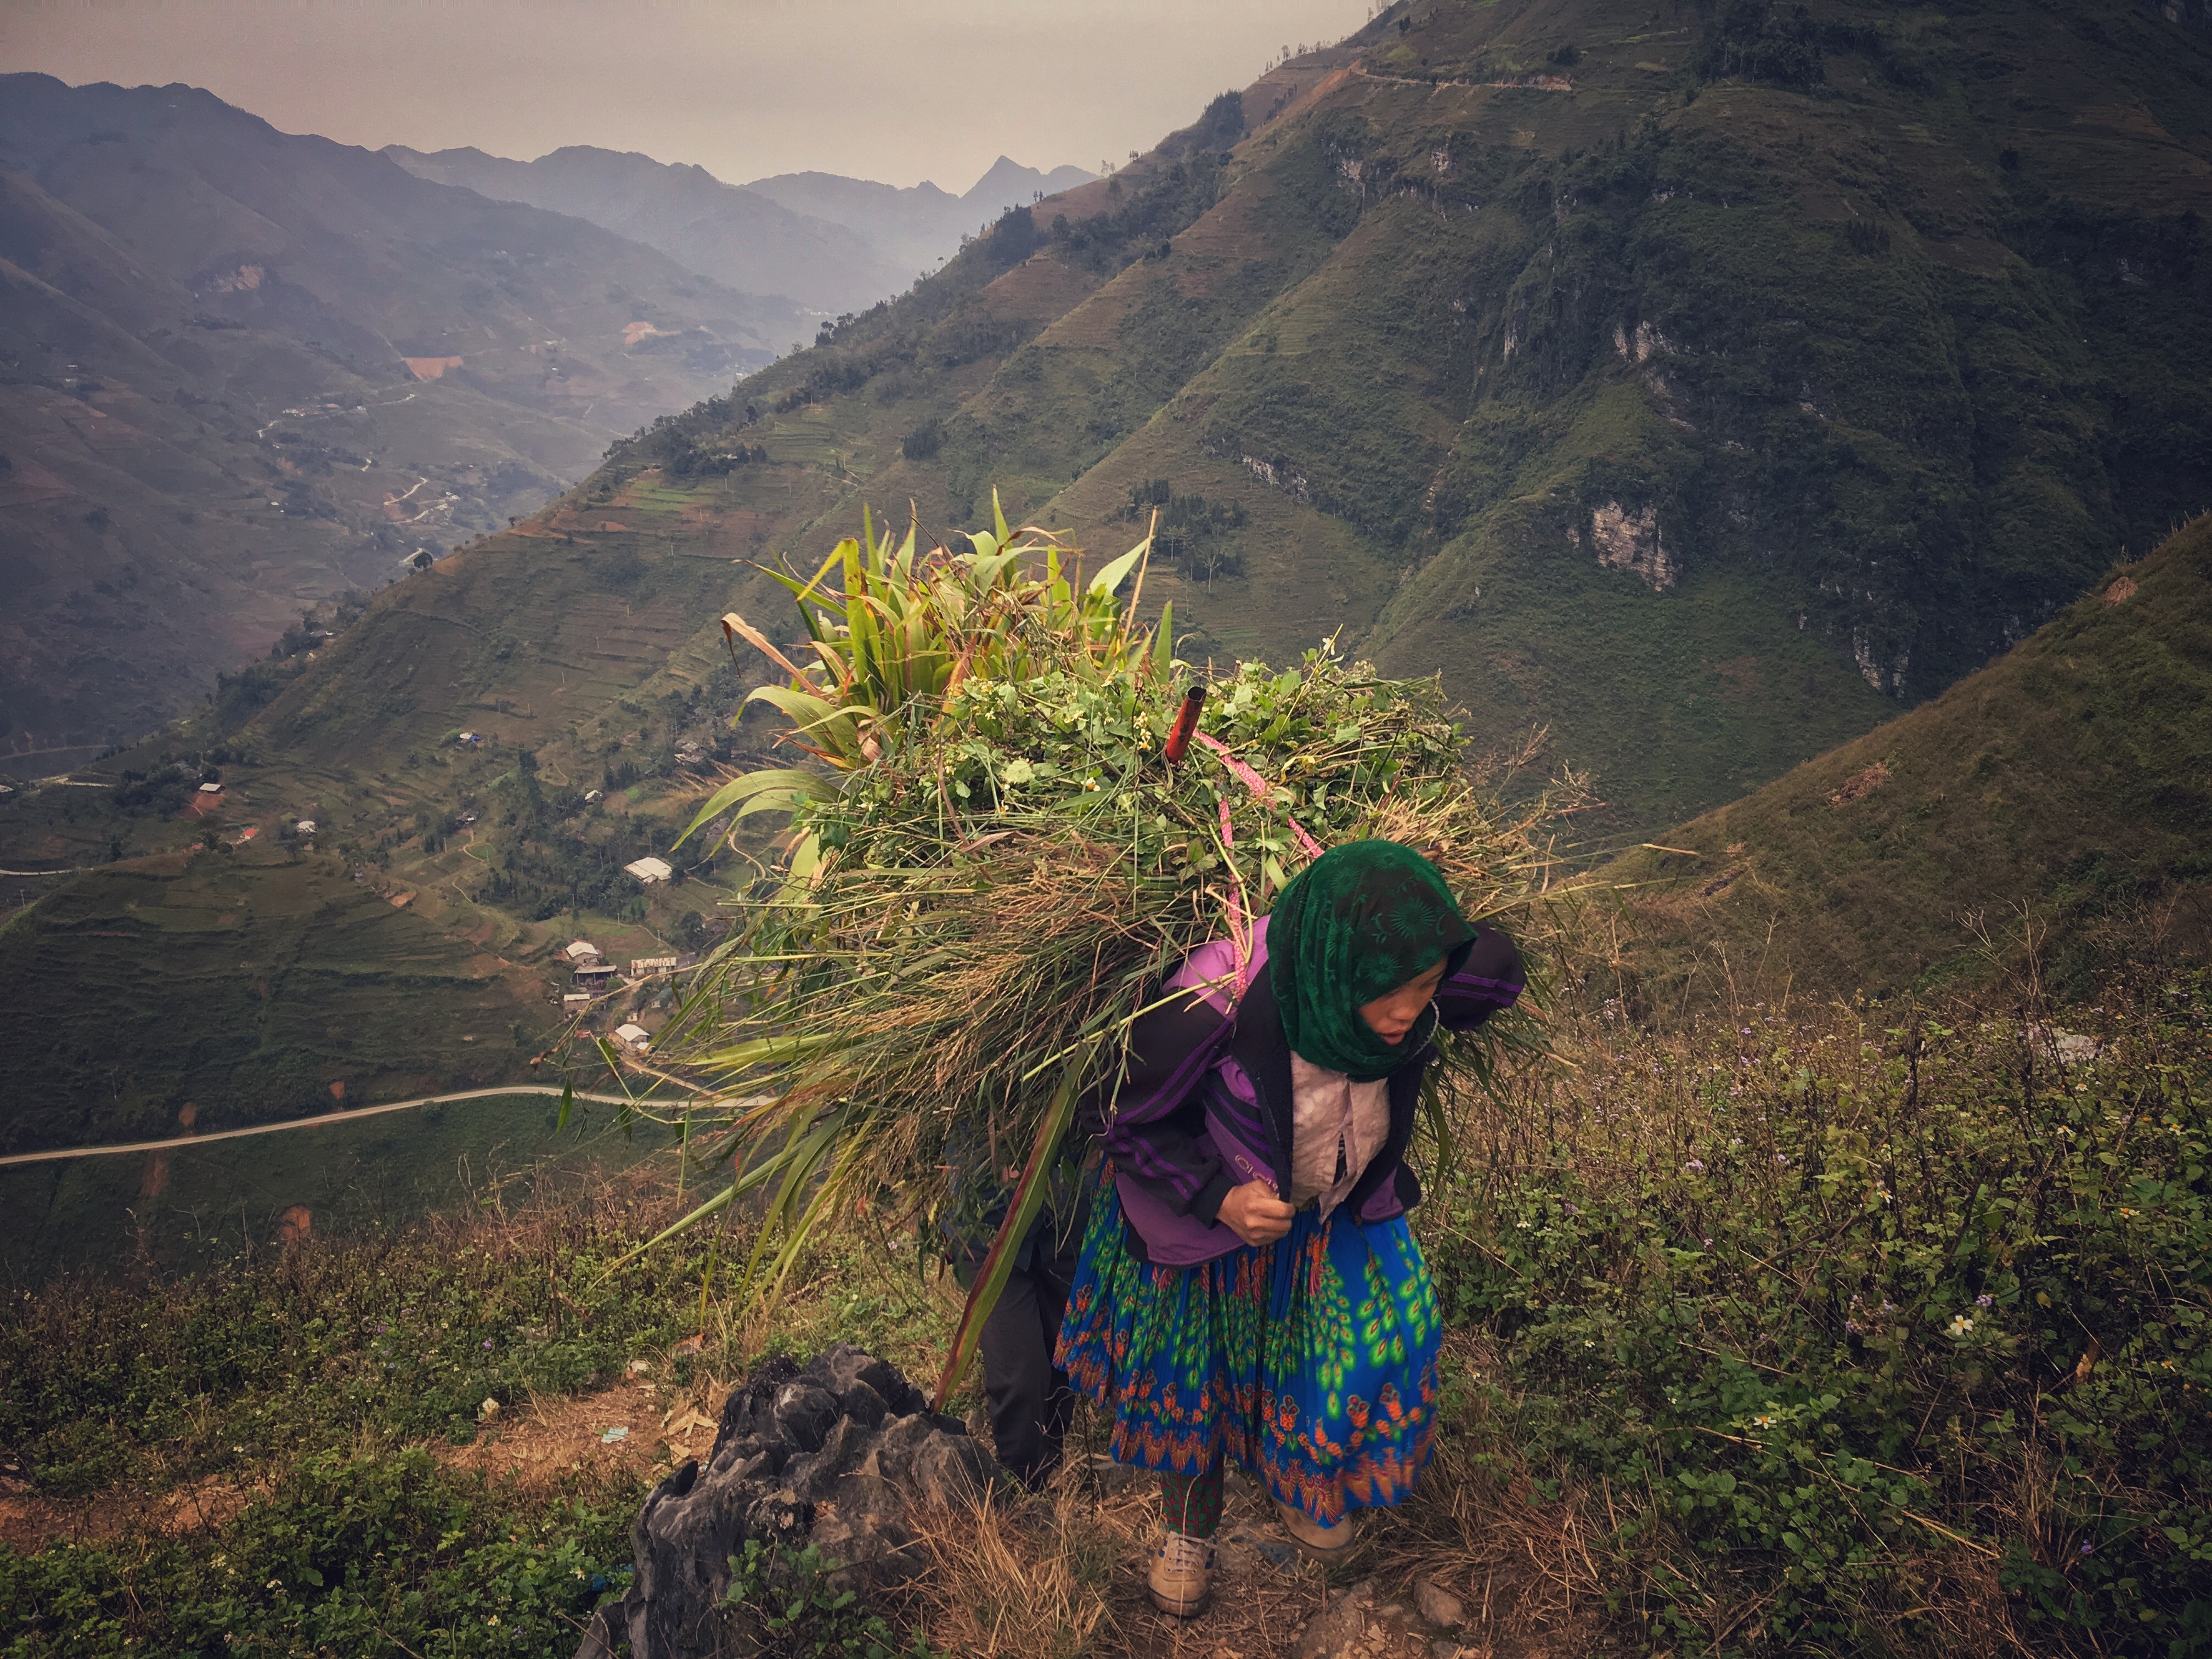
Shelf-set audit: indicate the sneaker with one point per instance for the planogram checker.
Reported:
(1181, 1580)
(1318, 1542)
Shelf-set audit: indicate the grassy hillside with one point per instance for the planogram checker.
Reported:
(1703, 385)
(247, 985)
(1757, 1344)
(200, 1207)
(2062, 798)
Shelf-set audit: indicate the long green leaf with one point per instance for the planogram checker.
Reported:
(808, 714)
(1021, 1216)
(762, 1050)
(808, 786)
(1112, 575)
(757, 1177)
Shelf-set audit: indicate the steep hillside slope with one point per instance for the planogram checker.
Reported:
(2065, 792)
(738, 237)
(1702, 384)
(240, 369)
(1531, 342)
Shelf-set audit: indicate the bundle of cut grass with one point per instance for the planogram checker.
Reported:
(993, 864)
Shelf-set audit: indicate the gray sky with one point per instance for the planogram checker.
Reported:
(899, 90)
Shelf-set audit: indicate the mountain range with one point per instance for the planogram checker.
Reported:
(243, 371)
(831, 243)
(1706, 390)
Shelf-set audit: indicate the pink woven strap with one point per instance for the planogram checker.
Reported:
(1260, 791)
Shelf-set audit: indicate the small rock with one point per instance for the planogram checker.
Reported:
(1331, 1633)
(488, 1412)
(1440, 1607)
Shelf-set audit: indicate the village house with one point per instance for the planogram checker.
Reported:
(649, 870)
(581, 950)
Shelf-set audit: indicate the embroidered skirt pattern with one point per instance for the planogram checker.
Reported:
(1311, 1361)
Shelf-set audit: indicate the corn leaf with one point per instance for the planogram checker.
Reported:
(798, 786)
(1021, 1216)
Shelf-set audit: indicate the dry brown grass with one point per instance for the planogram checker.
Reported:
(1062, 1574)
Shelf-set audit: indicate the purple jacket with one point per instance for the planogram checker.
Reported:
(1205, 1103)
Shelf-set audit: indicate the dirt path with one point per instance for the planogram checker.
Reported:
(53, 1153)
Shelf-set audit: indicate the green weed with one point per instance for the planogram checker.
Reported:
(1868, 1324)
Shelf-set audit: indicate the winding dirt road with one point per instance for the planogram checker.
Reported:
(58, 1153)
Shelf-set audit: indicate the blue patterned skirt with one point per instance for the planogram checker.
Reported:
(1312, 1361)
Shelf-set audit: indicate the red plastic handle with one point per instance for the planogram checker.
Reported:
(1185, 723)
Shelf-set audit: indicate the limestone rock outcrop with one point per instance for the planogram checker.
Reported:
(834, 1454)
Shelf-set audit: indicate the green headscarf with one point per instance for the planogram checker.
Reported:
(1357, 922)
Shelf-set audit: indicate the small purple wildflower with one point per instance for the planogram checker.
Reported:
(2089, 1549)
(1695, 1166)
(1853, 1327)
(1781, 1158)
(487, 1342)
(1743, 1030)
(1985, 1300)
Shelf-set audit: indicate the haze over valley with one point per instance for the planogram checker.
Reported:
(248, 371)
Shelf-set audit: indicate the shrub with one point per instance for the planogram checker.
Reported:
(1858, 1316)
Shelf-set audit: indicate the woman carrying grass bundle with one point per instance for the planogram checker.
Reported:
(1248, 1288)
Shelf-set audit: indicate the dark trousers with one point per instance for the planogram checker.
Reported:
(1028, 1398)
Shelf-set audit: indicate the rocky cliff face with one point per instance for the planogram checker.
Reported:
(835, 1455)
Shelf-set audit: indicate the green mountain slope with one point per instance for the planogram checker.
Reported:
(2064, 791)
(1703, 385)
(249, 986)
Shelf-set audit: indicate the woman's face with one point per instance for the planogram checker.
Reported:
(1391, 1016)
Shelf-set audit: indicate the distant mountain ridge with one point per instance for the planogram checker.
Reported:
(831, 243)
(243, 369)
(921, 224)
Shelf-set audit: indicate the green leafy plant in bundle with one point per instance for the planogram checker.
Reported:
(992, 867)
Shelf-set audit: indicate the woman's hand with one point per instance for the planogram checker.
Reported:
(1255, 1215)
